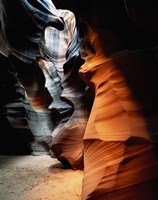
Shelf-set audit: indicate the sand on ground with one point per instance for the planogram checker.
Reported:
(37, 178)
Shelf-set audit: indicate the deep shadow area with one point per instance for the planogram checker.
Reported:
(14, 142)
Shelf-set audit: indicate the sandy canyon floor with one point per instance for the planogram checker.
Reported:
(37, 178)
